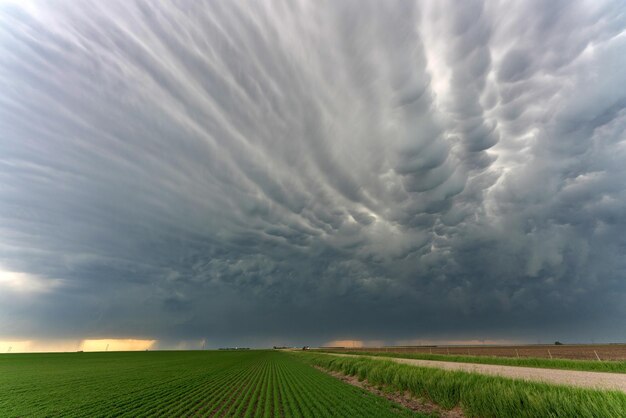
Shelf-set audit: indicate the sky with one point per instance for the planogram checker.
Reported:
(255, 173)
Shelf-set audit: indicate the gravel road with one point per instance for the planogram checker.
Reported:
(592, 380)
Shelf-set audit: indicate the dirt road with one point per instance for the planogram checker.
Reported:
(591, 380)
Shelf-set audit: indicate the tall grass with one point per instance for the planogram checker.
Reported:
(565, 364)
(479, 395)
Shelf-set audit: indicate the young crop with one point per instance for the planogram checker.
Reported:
(180, 384)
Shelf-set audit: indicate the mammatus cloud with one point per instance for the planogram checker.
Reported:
(267, 172)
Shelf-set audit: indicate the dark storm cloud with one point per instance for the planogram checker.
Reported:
(316, 170)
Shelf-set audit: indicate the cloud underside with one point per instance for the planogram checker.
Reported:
(312, 169)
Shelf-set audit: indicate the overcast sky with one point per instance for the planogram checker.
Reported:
(252, 172)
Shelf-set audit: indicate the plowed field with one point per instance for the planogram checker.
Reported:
(576, 352)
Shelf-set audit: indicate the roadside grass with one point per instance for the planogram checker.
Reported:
(478, 395)
(564, 364)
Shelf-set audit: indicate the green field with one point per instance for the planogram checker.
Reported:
(563, 364)
(266, 384)
(175, 383)
(478, 395)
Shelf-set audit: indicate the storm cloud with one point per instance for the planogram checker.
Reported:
(266, 172)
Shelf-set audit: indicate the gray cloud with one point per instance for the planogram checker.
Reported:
(250, 171)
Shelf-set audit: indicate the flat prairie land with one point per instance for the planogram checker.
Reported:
(179, 384)
(605, 352)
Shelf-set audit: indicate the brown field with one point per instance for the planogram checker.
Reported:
(578, 351)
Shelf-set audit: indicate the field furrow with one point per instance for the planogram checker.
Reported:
(261, 384)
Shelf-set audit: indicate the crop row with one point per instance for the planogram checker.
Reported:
(182, 384)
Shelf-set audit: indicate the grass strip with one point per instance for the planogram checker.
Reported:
(564, 364)
(478, 395)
